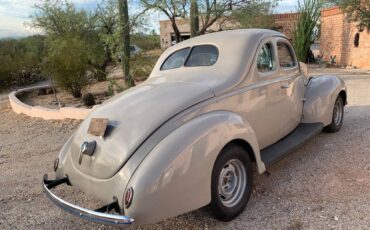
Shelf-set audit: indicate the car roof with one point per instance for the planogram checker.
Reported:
(236, 52)
(234, 36)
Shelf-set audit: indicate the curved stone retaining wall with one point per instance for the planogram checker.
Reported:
(48, 114)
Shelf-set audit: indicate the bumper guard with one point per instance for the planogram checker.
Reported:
(99, 215)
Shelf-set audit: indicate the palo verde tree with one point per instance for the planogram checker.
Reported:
(304, 32)
(62, 22)
(172, 9)
(67, 60)
(108, 23)
(212, 11)
(357, 11)
(256, 14)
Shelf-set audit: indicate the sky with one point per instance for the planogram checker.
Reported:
(14, 14)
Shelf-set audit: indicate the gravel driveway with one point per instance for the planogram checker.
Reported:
(324, 185)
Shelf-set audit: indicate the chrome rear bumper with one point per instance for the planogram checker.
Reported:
(92, 215)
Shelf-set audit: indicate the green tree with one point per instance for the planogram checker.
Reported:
(21, 60)
(172, 9)
(256, 14)
(62, 22)
(357, 11)
(212, 11)
(67, 62)
(304, 32)
(107, 21)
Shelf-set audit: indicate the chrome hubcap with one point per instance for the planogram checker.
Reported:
(338, 113)
(232, 182)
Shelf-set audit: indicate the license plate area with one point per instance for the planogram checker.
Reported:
(98, 127)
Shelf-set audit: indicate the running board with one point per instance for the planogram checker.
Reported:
(302, 134)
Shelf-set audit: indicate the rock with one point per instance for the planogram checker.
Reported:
(336, 218)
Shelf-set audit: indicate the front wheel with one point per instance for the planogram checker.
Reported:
(337, 119)
(231, 182)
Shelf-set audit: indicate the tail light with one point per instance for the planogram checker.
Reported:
(127, 198)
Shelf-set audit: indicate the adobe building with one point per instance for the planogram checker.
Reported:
(284, 22)
(337, 36)
(344, 39)
(167, 34)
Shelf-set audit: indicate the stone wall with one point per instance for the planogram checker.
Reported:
(337, 38)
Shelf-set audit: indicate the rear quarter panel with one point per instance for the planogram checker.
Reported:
(176, 176)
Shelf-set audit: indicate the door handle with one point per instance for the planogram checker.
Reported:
(285, 86)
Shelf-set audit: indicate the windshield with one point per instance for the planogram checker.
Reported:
(203, 55)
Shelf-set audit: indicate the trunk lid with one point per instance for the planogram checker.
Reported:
(133, 116)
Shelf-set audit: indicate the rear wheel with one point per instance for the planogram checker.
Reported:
(231, 182)
(337, 119)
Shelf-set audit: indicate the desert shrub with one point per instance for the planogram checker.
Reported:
(142, 65)
(75, 51)
(21, 60)
(27, 75)
(146, 42)
(88, 99)
(67, 62)
(6, 68)
(99, 74)
(114, 87)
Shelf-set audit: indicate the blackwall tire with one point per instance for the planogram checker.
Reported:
(232, 181)
(337, 117)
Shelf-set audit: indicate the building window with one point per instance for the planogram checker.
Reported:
(357, 39)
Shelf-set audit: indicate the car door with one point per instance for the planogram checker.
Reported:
(292, 86)
(266, 97)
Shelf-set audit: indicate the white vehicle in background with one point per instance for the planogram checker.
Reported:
(134, 50)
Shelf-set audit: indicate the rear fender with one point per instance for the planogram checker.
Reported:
(321, 93)
(175, 177)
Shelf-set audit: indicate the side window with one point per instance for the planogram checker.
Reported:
(286, 56)
(265, 58)
(175, 60)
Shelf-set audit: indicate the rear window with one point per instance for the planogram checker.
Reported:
(204, 55)
(176, 60)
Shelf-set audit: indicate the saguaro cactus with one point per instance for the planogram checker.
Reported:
(194, 18)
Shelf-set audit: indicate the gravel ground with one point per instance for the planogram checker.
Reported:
(324, 185)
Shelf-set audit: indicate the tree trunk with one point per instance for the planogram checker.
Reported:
(194, 18)
(125, 26)
(176, 30)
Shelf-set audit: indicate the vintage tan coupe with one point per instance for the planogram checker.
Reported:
(188, 136)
